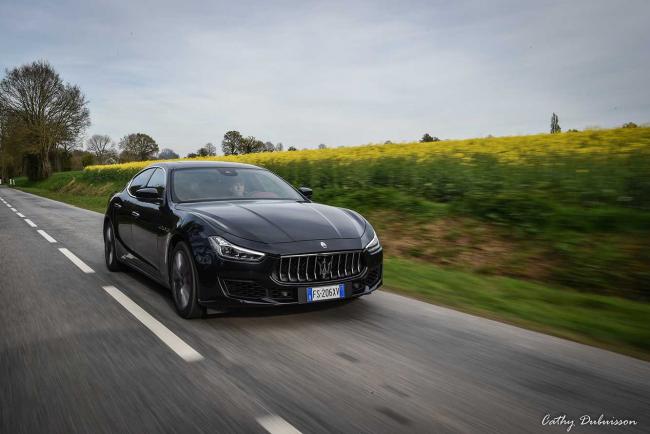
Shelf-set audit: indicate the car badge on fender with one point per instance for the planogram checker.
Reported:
(323, 245)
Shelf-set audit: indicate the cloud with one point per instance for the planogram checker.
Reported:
(340, 73)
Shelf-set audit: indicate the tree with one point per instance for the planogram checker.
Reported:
(87, 160)
(292, 148)
(427, 138)
(251, 145)
(138, 147)
(192, 155)
(63, 154)
(555, 124)
(202, 152)
(49, 111)
(167, 154)
(102, 147)
(269, 147)
(322, 146)
(629, 125)
(210, 149)
(279, 147)
(231, 143)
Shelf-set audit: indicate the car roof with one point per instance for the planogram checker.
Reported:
(201, 163)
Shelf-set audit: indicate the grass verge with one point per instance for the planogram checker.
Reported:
(605, 321)
(92, 203)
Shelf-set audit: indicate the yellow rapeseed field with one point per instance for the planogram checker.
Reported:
(510, 150)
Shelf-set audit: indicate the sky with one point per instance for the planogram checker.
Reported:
(339, 73)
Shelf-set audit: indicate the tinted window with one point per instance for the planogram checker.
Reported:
(221, 183)
(140, 180)
(157, 180)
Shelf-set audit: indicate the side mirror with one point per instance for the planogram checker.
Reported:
(147, 193)
(306, 191)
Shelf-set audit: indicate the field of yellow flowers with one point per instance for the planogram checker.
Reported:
(590, 168)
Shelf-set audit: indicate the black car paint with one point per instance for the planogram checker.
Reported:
(147, 228)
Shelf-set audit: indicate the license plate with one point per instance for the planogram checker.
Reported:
(325, 293)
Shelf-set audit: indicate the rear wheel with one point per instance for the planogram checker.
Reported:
(110, 253)
(184, 283)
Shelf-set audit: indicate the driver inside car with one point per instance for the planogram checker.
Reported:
(238, 189)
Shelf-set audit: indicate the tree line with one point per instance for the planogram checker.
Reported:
(43, 120)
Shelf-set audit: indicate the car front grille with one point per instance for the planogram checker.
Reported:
(320, 267)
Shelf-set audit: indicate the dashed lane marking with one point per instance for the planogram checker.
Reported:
(46, 236)
(31, 223)
(75, 260)
(163, 333)
(276, 425)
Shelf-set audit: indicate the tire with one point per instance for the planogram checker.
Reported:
(110, 252)
(183, 282)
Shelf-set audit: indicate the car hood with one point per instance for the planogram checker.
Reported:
(270, 221)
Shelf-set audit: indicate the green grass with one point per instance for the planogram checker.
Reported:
(93, 203)
(69, 188)
(610, 322)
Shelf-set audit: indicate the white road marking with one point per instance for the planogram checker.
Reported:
(31, 223)
(164, 334)
(14, 209)
(78, 262)
(20, 215)
(276, 425)
(8, 204)
(46, 236)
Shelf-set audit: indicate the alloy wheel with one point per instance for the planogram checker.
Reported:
(182, 280)
(109, 244)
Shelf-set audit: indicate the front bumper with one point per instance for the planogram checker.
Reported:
(225, 283)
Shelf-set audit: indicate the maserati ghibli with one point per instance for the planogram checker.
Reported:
(223, 234)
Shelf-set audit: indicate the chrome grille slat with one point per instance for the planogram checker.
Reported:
(298, 269)
(289, 271)
(319, 267)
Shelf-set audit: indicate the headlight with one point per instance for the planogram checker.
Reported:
(373, 246)
(227, 250)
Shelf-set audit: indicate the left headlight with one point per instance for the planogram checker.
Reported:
(228, 250)
(373, 246)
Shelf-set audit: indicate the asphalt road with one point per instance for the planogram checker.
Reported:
(74, 359)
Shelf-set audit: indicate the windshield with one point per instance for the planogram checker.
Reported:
(224, 183)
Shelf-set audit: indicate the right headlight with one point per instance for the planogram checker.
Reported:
(228, 250)
(373, 246)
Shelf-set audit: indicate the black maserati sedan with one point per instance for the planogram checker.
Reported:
(226, 234)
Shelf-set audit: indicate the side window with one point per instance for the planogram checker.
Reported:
(140, 180)
(157, 180)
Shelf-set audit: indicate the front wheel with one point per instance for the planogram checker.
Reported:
(110, 253)
(184, 283)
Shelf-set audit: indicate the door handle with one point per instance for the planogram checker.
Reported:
(117, 205)
(135, 214)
